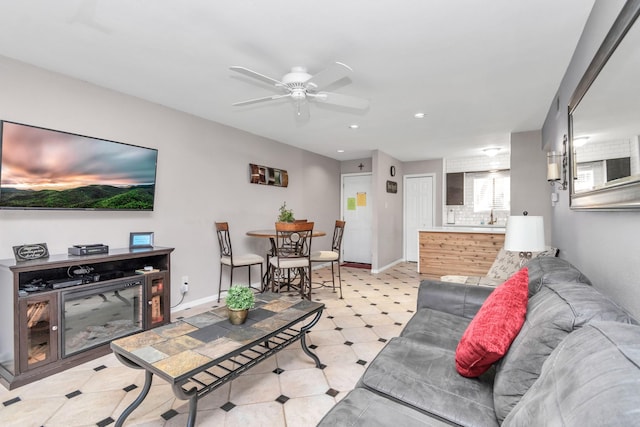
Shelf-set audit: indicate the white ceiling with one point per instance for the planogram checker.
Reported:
(479, 69)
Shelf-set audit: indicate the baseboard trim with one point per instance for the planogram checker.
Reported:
(381, 269)
(207, 300)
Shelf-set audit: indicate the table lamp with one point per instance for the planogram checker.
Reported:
(524, 234)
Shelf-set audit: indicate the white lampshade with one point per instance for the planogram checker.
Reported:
(524, 234)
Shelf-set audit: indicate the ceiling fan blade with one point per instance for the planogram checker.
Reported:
(256, 75)
(258, 100)
(329, 75)
(341, 100)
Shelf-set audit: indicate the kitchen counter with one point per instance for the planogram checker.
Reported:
(466, 229)
(468, 251)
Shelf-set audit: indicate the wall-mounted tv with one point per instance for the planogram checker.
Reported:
(49, 169)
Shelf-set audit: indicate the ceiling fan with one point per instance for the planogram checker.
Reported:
(301, 87)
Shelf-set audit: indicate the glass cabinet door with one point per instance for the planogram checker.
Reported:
(39, 331)
(157, 300)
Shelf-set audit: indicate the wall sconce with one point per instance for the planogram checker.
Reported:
(557, 166)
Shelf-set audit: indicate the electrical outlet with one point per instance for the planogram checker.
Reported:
(184, 287)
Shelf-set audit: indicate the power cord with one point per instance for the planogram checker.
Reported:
(179, 302)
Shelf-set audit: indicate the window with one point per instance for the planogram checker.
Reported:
(491, 191)
(585, 180)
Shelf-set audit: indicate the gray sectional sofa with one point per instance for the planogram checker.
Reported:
(575, 362)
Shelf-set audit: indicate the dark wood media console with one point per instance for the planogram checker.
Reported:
(62, 311)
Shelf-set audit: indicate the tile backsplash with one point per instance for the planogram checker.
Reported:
(465, 215)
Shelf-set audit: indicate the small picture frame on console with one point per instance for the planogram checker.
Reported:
(31, 252)
(141, 240)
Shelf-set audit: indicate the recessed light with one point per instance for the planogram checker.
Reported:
(340, 151)
(491, 151)
(354, 126)
(419, 115)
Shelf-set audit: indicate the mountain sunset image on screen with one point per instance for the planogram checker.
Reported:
(47, 169)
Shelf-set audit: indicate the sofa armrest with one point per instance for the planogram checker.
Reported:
(454, 298)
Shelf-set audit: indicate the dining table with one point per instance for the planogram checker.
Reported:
(271, 235)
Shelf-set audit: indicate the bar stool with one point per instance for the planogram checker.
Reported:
(332, 256)
(292, 258)
(227, 258)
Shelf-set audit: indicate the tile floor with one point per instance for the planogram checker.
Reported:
(284, 390)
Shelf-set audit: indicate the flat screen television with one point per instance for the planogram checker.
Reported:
(49, 169)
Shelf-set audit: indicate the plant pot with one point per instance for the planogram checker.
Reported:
(237, 317)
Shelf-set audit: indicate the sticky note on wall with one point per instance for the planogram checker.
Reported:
(362, 199)
(351, 203)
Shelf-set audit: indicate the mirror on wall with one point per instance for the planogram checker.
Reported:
(605, 122)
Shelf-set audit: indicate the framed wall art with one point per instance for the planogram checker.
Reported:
(266, 175)
(392, 187)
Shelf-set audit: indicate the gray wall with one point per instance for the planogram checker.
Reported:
(529, 190)
(203, 176)
(353, 166)
(604, 245)
(388, 207)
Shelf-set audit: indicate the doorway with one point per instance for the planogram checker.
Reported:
(357, 211)
(419, 205)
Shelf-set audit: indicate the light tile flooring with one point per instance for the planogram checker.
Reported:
(284, 390)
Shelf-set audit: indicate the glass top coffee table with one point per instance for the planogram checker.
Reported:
(198, 354)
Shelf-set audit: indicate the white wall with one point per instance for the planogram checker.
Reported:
(604, 245)
(203, 176)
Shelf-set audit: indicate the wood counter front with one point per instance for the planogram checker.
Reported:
(458, 253)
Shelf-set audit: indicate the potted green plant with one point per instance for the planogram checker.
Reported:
(239, 300)
(286, 215)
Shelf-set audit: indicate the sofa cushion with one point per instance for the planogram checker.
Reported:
(555, 311)
(436, 328)
(544, 270)
(424, 377)
(591, 379)
(473, 280)
(508, 262)
(362, 407)
(489, 335)
(453, 298)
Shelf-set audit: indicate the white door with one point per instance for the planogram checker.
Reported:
(357, 211)
(418, 211)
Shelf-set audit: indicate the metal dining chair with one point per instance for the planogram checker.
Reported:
(292, 259)
(227, 258)
(332, 256)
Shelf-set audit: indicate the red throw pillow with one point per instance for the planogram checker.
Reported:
(494, 327)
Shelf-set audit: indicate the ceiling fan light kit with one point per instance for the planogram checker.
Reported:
(301, 87)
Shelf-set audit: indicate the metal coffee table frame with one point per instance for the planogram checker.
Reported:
(206, 378)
